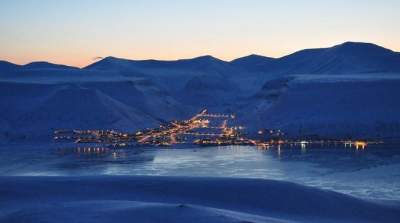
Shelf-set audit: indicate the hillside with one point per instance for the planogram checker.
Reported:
(33, 111)
(45, 65)
(346, 58)
(330, 107)
(353, 100)
(7, 67)
(201, 64)
(252, 62)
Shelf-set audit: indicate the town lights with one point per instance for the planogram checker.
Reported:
(360, 144)
(197, 130)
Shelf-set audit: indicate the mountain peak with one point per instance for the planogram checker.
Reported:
(6, 66)
(107, 63)
(46, 65)
(360, 48)
(253, 57)
(205, 58)
(356, 44)
(111, 58)
(251, 61)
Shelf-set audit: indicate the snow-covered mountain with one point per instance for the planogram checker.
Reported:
(203, 64)
(31, 110)
(346, 58)
(337, 106)
(45, 65)
(6, 67)
(294, 93)
(252, 62)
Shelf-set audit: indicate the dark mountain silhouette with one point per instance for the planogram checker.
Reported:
(6, 67)
(252, 61)
(202, 63)
(46, 65)
(346, 58)
(349, 57)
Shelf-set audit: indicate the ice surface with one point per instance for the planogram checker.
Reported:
(370, 174)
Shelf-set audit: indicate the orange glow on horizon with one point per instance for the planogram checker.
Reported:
(84, 59)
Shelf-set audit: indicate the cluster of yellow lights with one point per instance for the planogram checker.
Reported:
(177, 131)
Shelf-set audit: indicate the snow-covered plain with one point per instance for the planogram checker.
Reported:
(179, 199)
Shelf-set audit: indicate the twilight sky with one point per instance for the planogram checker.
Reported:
(73, 32)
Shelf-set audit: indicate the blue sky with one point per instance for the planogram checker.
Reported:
(74, 31)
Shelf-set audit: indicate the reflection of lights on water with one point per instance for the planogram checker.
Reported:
(279, 151)
(84, 150)
(92, 150)
(360, 144)
(303, 145)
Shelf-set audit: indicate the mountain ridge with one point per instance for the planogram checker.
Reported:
(348, 57)
(46, 65)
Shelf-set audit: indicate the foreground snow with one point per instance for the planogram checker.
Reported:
(178, 199)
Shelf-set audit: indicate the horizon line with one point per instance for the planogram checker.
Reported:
(95, 59)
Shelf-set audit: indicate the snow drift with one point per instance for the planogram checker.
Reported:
(179, 199)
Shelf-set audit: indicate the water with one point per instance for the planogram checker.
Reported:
(373, 173)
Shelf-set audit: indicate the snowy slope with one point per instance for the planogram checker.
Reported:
(32, 109)
(208, 91)
(179, 199)
(7, 67)
(203, 64)
(252, 62)
(328, 106)
(45, 65)
(79, 107)
(171, 75)
(346, 58)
